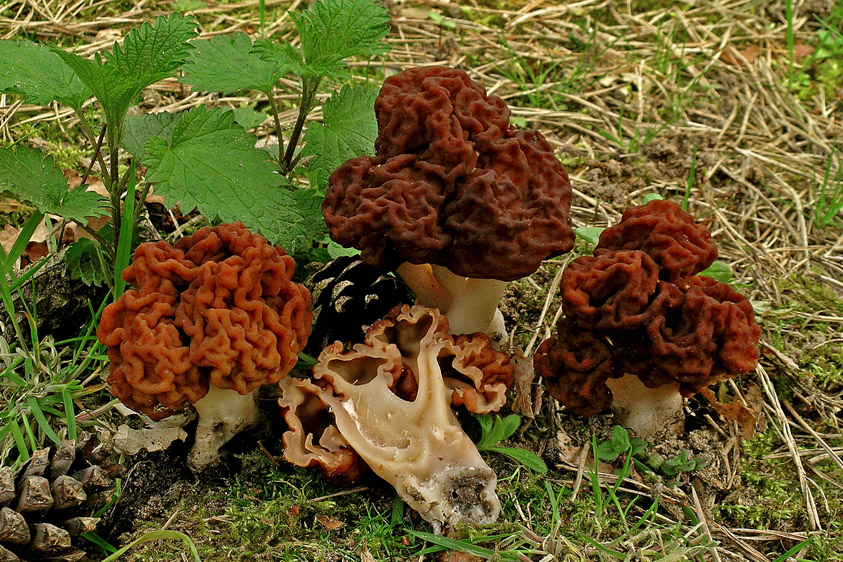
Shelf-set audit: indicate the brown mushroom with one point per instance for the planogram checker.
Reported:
(456, 198)
(208, 322)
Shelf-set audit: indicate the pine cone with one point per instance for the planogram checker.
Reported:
(51, 499)
(348, 296)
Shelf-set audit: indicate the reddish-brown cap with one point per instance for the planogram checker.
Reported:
(220, 308)
(575, 366)
(680, 246)
(451, 183)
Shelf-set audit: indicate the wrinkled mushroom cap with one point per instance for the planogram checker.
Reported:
(218, 308)
(635, 307)
(670, 236)
(451, 184)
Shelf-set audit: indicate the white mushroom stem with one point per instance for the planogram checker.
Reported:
(470, 304)
(649, 412)
(222, 414)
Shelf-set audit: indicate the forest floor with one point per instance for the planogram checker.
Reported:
(736, 105)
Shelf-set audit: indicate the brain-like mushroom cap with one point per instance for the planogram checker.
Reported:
(575, 366)
(451, 183)
(218, 308)
(669, 235)
(632, 311)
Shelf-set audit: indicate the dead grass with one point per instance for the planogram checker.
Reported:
(626, 91)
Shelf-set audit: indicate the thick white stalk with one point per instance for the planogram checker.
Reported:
(470, 304)
(222, 414)
(649, 412)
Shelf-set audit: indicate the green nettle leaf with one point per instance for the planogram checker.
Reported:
(139, 129)
(84, 261)
(211, 164)
(154, 51)
(333, 30)
(39, 75)
(284, 55)
(227, 64)
(31, 175)
(348, 130)
(248, 118)
(146, 56)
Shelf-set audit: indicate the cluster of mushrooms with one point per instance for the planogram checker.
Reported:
(457, 202)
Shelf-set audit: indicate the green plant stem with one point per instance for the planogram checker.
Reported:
(273, 107)
(308, 96)
(92, 138)
(140, 204)
(97, 152)
(116, 194)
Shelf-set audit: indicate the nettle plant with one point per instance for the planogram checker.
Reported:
(202, 158)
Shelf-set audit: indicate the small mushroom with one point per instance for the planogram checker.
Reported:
(208, 322)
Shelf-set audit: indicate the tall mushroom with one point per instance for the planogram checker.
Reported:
(457, 199)
(641, 329)
(208, 322)
(386, 404)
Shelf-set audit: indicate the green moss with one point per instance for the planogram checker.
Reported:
(773, 498)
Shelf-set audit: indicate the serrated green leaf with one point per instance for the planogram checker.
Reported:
(248, 118)
(333, 30)
(227, 64)
(113, 92)
(33, 176)
(284, 55)
(139, 129)
(211, 164)
(719, 270)
(522, 456)
(84, 261)
(147, 55)
(39, 75)
(155, 51)
(309, 207)
(348, 129)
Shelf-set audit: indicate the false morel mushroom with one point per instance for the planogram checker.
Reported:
(641, 329)
(209, 321)
(455, 198)
(385, 405)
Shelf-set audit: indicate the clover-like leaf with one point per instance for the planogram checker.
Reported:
(211, 164)
(39, 75)
(228, 64)
(31, 175)
(348, 129)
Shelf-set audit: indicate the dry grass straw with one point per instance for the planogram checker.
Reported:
(710, 75)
